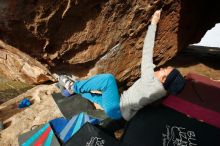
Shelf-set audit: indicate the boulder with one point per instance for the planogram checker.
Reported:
(85, 37)
(19, 66)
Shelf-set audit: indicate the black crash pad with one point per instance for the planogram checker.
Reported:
(70, 106)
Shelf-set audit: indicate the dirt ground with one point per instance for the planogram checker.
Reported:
(10, 89)
(200, 60)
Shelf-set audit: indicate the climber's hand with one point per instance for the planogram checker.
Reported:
(156, 17)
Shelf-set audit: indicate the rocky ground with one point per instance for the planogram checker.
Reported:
(17, 121)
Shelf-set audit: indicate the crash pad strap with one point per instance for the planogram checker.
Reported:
(195, 111)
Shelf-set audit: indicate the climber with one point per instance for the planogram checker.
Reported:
(151, 86)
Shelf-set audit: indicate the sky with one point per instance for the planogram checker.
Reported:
(211, 38)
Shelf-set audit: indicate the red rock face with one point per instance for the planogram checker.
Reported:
(85, 37)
